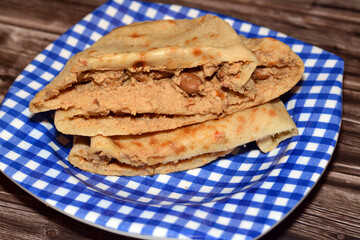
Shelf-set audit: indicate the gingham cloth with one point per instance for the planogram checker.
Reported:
(240, 196)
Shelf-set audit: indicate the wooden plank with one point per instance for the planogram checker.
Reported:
(24, 40)
(50, 225)
(352, 5)
(323, 214)
(19, 46)
(351, 80)
(264, 8)
(48, 16)
(328, 207)
(351, 105)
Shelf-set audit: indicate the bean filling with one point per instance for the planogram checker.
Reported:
(189, 83)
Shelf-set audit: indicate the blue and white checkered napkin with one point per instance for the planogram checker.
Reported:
(240, 196)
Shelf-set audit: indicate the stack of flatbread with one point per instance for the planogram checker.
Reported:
(164, 96)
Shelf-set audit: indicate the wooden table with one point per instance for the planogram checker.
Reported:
(332, 209)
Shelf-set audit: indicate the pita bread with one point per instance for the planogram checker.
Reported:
(277, 74)
(72, 122)
(81, 157)
(185, 146)
(143, 53)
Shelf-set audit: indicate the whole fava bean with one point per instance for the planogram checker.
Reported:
(189, 83)
(261, 74)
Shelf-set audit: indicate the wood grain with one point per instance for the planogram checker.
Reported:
(332, 209)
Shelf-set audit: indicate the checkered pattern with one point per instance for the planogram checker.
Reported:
(240, 196)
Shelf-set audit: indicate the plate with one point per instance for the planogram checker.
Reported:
(240, 196)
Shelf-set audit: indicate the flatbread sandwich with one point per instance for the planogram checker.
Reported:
(139, 79)
(171, 95)
(185, 147)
